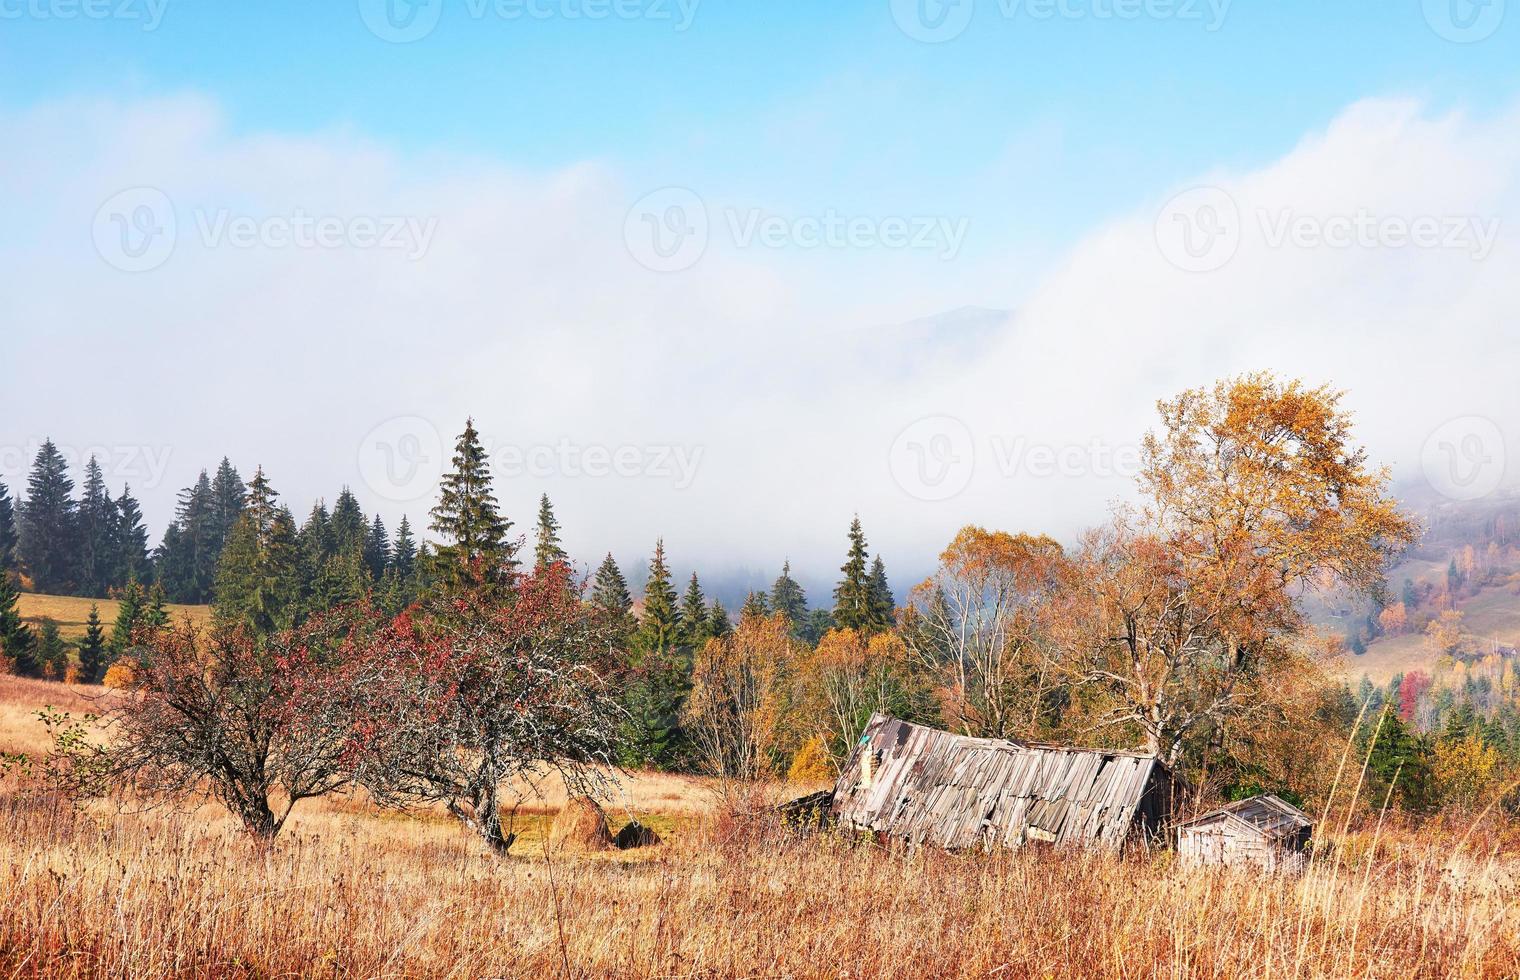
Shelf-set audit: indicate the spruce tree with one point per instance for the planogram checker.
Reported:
(92, 649)
(788, 597)
(400, 586)
(96, 528)
(404, 553)
(322, 572)
(819, 622)
(131, 612)
(15, 636)
(130, 542)
(203, 527)
(173, 562)
(52, 654)
(695, 628)
(661, 676)
(475, 551)
(157, 614)
(883, 605)
(259, 580)
(660, 623)
(377, 549)
(349, 528)
(755, 604)
(228, 497)
(47, 528)
(7, 531)
(853, 605)
(546, 543)
(186, 561)
(718, 622)
(1401, 760)
(609, 590)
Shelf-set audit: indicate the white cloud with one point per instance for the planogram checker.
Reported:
(528, 312)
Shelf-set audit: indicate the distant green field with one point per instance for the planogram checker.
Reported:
(71, 612)
(1491, 615)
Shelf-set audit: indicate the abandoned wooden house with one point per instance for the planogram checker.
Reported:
(1263, 831)
(929, 786)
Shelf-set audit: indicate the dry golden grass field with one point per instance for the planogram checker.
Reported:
(71, 612)
(349, 891)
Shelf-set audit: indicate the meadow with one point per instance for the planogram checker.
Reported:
(349, 890)
(72, 612)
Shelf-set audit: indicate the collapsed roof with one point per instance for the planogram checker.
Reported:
(930, 786)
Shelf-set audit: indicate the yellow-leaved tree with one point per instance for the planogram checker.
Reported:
(1178, 619)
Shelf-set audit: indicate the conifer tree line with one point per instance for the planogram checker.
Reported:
(238, 546)
(93, 543)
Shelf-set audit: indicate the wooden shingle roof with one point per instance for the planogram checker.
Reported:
(931, 786)
(1269, 815)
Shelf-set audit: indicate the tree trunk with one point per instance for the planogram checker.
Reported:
(482, 814)
(258, 819)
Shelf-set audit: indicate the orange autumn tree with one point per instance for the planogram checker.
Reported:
(737, 702)
(977, 631)
(846, 679)
(1178, 620)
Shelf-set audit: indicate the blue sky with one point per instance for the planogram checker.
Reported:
(798, 102)
(1049, 140)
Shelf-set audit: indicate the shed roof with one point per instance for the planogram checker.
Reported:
(933, 786)
(1267, 814)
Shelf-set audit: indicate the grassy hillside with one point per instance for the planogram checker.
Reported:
(71, 612)
(1493, 615)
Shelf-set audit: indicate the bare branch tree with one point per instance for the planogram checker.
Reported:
(473, 697)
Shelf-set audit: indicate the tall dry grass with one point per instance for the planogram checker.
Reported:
(349, 893)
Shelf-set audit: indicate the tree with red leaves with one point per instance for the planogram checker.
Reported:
(1411, 688)
(474, 696)
(258, 724)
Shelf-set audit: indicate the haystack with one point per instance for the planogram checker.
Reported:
(635, 834)
(580, 826)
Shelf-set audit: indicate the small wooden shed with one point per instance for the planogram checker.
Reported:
(1263, 831)
(924, 785)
